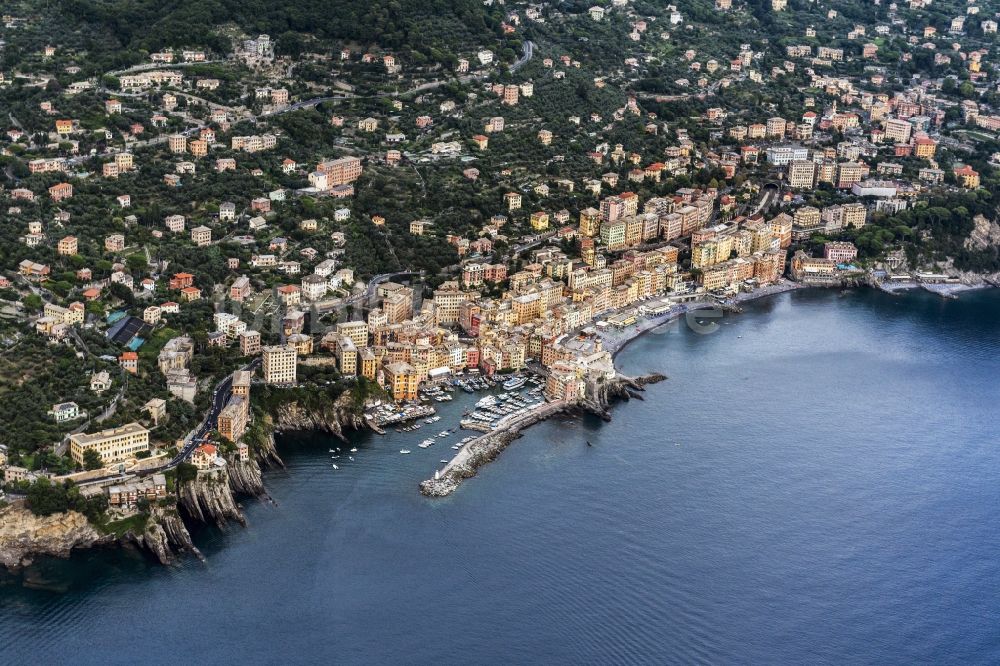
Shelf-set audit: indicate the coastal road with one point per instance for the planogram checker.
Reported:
(521, 247)
(148, 67)
(365, 297)
(223, 391)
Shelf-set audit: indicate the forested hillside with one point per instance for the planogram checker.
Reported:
(412, 25)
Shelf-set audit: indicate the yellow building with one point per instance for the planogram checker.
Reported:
(781, 228)
(402, 380)
(526, 308)
(854, 215)
(448, 300)
(806, 217)
(355, 330)
(279, 365)
(347, 355)
(398, 306)
(968, 177)
(368, 363)
(705, 254)
(540, 221)
(849, 173)
(776, 126)
(114, 445)
(67, 246)
(177, 143)
(801, 174)
(590, 222)
(924, 147)
(232, 421)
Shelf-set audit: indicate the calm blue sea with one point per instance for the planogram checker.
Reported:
(817, 482)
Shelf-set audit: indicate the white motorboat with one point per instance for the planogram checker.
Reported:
(515, 383)
(488, 401)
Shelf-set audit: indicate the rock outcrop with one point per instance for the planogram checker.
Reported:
(334, 418)
(601, 396)
(25, 536)
(265, 449)
(165, 537)
(209, 499)
(985, 234)
(177, 532)
(246, 478)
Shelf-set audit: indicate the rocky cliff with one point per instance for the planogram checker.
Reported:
(209, 499)
(334, 418)
(246, 478)
(985, 233)
(165, 537)
(25, 536)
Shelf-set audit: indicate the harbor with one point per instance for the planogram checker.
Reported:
(485, 448)
(486, 407)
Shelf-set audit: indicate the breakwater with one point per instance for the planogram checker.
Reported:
(485, 449)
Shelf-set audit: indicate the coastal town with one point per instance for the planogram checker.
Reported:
(217, 241)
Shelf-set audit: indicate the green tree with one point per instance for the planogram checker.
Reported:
(186, 472)
(45, 499)
(92, 459)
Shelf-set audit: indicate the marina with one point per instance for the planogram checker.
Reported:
(386, 414)
(485, 405)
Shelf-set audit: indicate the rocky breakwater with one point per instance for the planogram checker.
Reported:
(25, 536)
(485, 449)
(209, 498)
(482, 450)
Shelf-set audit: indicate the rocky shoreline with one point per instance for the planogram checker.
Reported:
(25, 537)
(210, 499)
